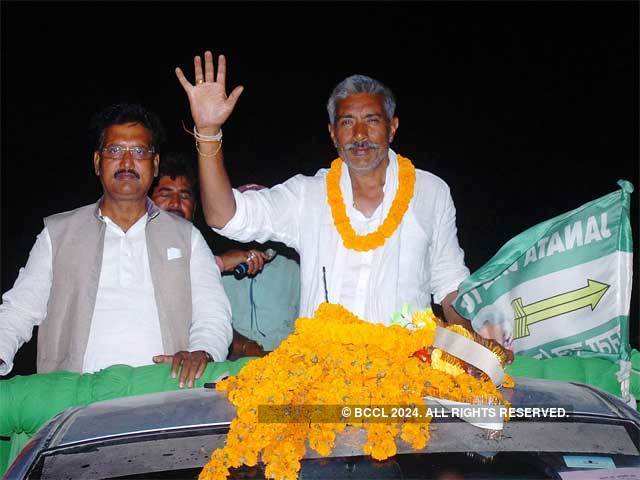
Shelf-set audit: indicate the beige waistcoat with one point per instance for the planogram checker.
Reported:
(77, 240)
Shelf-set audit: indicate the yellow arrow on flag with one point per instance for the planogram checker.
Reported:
(526, 315)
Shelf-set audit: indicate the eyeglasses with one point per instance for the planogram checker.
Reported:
(117, 152)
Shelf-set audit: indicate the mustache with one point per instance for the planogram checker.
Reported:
(362, 144)
(126, 171)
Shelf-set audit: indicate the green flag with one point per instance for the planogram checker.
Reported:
(563, 287)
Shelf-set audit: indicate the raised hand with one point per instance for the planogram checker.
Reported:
(210, 105)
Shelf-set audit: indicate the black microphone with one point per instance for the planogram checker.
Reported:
(241, 269)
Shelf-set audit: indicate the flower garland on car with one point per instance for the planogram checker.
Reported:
(338, 359)
(399, 206)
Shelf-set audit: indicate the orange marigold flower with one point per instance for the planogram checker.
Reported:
(399, 206)
(338, 359)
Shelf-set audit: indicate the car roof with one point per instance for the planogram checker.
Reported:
(193, 408)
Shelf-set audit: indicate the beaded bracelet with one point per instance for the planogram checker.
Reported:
(203, 138)
(207, 138)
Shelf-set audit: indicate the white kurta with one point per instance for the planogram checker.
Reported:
(125, 326)
(421, 258)
(125, 321)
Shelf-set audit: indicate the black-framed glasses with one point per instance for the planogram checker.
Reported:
(117, 152)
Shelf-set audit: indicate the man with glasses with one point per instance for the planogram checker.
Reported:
(119, 281)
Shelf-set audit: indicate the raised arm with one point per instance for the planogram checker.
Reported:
(210, 108)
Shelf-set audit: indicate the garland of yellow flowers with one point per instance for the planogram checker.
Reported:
(338, 359)
(370, 241)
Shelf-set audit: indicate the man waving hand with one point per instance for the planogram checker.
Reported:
(373, 230)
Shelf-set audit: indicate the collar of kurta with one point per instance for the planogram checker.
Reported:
(152, 209)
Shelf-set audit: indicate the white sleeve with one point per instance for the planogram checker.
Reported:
(447, 258)
(25, 305)
(269, 214)
(211, 312)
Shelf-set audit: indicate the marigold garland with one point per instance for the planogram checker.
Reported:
(335, 358)
(399, 206)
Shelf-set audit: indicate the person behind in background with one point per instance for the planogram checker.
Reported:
(263, 306)
(175, 190)
(119, 281)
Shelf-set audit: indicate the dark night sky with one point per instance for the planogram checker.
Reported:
(526, 110)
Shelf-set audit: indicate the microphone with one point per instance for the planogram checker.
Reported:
(241, 270)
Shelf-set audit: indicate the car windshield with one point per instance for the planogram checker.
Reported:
(524, 450)
(441, 466)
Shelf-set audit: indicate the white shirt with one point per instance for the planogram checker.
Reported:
(125, 327)
(421, 258)
(357, 271)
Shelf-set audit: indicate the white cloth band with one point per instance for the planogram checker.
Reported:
(489, 417)
(471, 352)
(624, 378)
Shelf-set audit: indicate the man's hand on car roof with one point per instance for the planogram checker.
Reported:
(188, 365)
